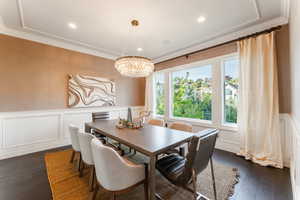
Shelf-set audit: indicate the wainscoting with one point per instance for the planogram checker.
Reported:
(32, 131)
(293, 129)
(26, 132)
(229, 138)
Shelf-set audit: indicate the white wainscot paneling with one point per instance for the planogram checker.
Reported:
(28, 130)
(292, 133)
(32, 131)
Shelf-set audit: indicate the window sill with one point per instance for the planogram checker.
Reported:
(192, 121)
(229, 127)
(205, 123)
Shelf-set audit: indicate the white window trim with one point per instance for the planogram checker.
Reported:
(224, 123)
(218, 120)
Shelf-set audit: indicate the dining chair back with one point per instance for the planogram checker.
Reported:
(157, 122)
(100, 116)
(200, 152)
(85, 147)
(181, 126)
(114, 173)
(74, 137)
(182, 171)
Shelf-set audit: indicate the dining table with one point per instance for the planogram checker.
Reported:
(149, 140)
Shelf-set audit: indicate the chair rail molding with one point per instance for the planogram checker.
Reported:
(32, 131)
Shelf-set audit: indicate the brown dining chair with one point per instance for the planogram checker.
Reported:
(182, 171)
(181, 126)
(157, 122)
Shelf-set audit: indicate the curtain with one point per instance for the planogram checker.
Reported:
(258, 116)
(149, 93)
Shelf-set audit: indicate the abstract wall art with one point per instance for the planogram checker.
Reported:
(88, 91)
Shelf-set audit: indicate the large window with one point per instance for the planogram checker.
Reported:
(159, 88)
(230, 90)
(192, 93)
(204, 92)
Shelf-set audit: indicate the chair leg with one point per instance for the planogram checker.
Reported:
(213, 178)
(79, 162)
(94, 194)
(72, 156)
(194, 181)
(182, 151)
(81, 169)
(114, 196)
(92, 178)
(146, 182)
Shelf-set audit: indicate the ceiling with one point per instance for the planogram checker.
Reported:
(168, 28)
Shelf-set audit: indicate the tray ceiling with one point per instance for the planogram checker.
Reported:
(167, 27)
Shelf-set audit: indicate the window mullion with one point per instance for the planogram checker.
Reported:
(217, 94)
(168, 97)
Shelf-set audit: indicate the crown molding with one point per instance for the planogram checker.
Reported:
(104, 52)
(224, 38)
(59, 40)
(53, 42)
(232, 33)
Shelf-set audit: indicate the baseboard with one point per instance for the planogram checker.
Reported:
(9, 153)
(227, 145)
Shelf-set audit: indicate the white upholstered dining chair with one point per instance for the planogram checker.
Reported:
(114, 173)
(75, 144)
(86, 155)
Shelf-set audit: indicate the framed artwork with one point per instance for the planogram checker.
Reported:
(88, 91)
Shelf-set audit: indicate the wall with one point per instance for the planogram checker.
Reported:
(34, 76)
(295, 93)
(283, 64)
(33, 131)
(295, 59)
(284, 71)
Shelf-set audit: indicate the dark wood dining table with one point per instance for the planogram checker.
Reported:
(149, 140)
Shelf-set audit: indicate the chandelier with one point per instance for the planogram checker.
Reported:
(134, 66)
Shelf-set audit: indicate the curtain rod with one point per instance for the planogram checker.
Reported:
(276, 28)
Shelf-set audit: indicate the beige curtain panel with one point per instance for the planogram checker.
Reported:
(149, 93)
(258, 117)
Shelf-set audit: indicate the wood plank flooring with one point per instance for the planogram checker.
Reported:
(25, 178)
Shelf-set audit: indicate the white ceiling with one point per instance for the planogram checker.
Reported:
(167, 28)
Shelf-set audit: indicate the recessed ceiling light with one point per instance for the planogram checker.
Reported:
(72, 25)
(139, 49)
(201, 19)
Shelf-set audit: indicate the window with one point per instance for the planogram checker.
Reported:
(204, 92)
(230, 90)
(192, 93)
(159, 89)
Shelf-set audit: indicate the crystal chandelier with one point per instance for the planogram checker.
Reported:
(134, 66)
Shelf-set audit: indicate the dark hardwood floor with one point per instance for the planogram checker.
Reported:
(25, 178)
